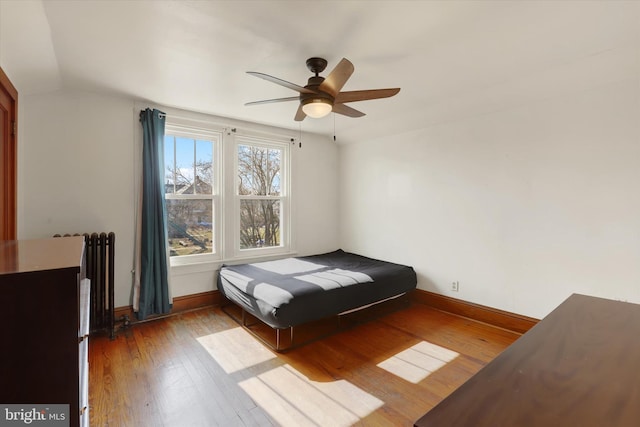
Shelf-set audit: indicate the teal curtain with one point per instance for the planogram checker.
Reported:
(154, 285)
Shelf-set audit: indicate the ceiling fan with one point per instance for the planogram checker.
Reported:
(322, 95)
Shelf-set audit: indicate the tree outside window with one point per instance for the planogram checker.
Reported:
(259, 189)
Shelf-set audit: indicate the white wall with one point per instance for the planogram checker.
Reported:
(75, 170)
(76, 173)
(522, 206)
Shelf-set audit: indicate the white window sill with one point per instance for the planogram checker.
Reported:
(214, 265)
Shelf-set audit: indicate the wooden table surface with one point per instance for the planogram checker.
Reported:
(22, 256)
(579, 366)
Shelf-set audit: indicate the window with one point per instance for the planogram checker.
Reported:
(260, 194)
(227, 193)
(191, 192)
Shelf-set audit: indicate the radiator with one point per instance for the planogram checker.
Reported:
(99, 262)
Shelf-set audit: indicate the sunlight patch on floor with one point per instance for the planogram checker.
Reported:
(286, 394)
(234, 349)
(292, 399)
(418, 362)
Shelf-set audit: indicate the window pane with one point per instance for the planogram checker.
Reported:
(273, 166)
(190, 226)
(259, 223)
(169, 176)
(204, 167)
(245, 170)
(259, 171)
(189, 165)
(183, 168)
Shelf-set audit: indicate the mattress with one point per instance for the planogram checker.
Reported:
(288, 292)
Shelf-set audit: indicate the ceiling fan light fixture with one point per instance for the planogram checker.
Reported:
(316, 107)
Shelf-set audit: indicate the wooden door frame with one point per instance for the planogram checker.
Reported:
(8, 178)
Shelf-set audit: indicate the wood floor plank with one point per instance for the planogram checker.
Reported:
(201, 369)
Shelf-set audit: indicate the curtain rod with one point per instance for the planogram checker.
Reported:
(160, 113)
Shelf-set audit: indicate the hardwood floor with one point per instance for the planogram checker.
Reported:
(201, 369)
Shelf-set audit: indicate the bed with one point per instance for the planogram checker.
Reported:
(293, 291)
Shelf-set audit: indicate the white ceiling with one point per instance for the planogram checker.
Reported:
(452, 59)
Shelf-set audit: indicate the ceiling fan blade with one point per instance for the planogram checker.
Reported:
(364, 95)
(281, 82)
(300, 115)
(337, 77)
(346, 111)
(270, 101)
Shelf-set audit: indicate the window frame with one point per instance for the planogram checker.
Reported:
(226, 204)
(284, 197)
(216, 137)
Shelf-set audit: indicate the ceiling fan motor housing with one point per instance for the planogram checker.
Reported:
(319, 103)
(313, 84)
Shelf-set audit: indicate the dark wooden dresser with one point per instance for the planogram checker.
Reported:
(43, 324)
(579, 366)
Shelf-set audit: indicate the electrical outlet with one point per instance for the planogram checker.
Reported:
(455, 286)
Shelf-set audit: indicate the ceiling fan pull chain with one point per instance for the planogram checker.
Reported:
(334, 127)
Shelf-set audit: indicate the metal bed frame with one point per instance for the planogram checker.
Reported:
(387, 306)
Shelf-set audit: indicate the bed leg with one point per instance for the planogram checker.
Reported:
(291, 335)
(278, 331)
